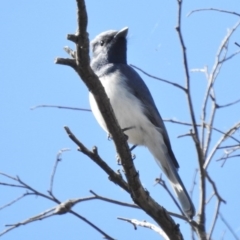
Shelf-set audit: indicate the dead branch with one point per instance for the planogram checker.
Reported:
(58, 159)
(161, 182)
(193, 183)
(115, 177)
(225, 136)
(160, 79)
(93, 155)
(228, 226)
(193, 119)
(214, 219)
(145, 224)
(221, 55)
(61, 107)
(228, 104)
(213, 9)
(41, 216)
(15, 200)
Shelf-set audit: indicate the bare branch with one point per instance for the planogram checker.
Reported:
(161, 182)
(160, 79)
(45, 214)
(213, 9)
(71, 52)
(58, 159)
(74, 37)
(62, 107)
(26, 186)
(15, 200)
(11, 185)
(199, 125)
(193, 182)
(226, 157)
(229, 57)
(210, 198)
(106, 236)
(226, 135)
(211, 80)
(229, 146)
(193, 119)
(215, 188)
(146, 225)
(228, 104)
(214, 220)
(228, 226)
(116, 178)
(114, 201)
(96, 196)
(67, 61)
(233, 156)
(187, 76)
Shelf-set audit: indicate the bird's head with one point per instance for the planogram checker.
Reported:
(109, 47)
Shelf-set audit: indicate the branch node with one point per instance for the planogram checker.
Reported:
(95, 150)
(73, 38)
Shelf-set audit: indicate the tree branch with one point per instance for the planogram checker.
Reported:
(160, 79)
(145, 224)
(193, 119)
(213, 9)
(61, 107)
(226, 135)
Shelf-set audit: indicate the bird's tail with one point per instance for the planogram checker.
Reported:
(180, 190)
(167, 165)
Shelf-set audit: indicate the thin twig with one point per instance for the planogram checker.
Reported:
(210, 198)
(193, 119)
(58, 159)
(160, 79)
(114, 201)
(61, 107)
(15, 200)
(232, 156)
(229, 57)
(229, 146)
(226, 158)
(214, 188)
(228, 226)
(214, 220)
(193, 183)
(40, 216)
(226, 135)
(213, 9)
(106, 236)
(199, 125)
(228, 104)
(161, 182)
(11, 185)
(211, 80)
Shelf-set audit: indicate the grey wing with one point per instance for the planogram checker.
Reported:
(139, 89)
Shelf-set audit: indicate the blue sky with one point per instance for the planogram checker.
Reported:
(33, 34)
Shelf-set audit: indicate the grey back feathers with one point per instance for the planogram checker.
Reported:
(134, 107)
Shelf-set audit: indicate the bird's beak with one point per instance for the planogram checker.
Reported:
(122, 33)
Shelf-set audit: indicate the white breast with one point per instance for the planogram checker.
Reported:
(127, 108)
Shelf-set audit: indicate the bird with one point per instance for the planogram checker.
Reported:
(134, 107)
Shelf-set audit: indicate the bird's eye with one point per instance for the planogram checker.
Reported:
(101, 42)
